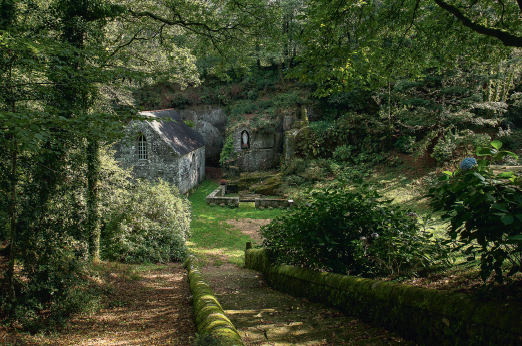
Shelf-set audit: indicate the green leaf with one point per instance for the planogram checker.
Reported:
(483, 151)
(479, 176)
(448, 173)
(500, 207)
(496, 144)
(505, 175)
(507, 219)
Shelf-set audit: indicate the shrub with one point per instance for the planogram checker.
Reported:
(315, 171)
(149, 224)
(511, 139)
(294, 166)
(227, 151)
(295, 180)
(443, 150)
(343, 152)
(485, 211)
(405, 144)
(400, 252)
(52, 284)
(350, 232)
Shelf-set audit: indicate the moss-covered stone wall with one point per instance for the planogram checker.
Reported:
(210, 317)
(429, 317)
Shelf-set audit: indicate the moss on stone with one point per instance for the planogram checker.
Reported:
(209, 315)
(428, 316)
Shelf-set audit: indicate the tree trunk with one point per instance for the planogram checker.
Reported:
(93, 213)
(10, 269)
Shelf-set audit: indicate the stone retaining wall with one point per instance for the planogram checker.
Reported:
(210, 317)
(273, 202)
(218, 197)
(429, 317)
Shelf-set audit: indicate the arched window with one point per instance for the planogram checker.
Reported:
(245, 140)
(142, 147)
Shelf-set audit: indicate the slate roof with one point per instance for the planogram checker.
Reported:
(176, 133)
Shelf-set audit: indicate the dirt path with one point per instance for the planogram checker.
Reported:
(142, 305)
(265, 317)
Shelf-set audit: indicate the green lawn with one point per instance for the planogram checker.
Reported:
(213, 240)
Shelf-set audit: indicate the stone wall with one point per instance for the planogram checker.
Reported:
(208, 313)
(162, 161)
(262, 152)
(430, 317)
(211, 122)
(217, 197)
(274, 203)
(191, 170)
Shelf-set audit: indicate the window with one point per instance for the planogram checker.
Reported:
(142, 147)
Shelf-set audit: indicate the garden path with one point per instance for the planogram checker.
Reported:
(265, 317)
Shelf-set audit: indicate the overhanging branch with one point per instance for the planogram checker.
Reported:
(506, 38)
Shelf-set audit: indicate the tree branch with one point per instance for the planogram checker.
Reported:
(506, 38)
(186, 24)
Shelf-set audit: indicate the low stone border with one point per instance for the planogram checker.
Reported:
(217, 197)
(429, 317)
(210, 317)
(274, 203)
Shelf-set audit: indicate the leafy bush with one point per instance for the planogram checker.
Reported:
(315, 171)
(350, 232)
(405, 144)
(485, 211)
(343, 152)
(50, 284)
(511, 139)
(400, 252)
(227, 151)
(150, 224)
(294, 166)
(443, 150)
(295, 180)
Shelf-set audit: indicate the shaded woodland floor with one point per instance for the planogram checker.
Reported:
(141, 305)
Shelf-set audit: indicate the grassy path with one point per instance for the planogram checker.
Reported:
(264, 316)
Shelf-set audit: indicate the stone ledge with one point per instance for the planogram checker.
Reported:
(218, 197)
(210, 317)
(429, 317)
(274, 203)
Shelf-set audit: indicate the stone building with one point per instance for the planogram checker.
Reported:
(163, 147)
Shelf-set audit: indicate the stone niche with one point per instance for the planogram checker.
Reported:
(256, 151)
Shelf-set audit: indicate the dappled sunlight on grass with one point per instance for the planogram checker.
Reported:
(213, 239)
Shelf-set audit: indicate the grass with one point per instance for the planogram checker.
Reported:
(213, 240)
